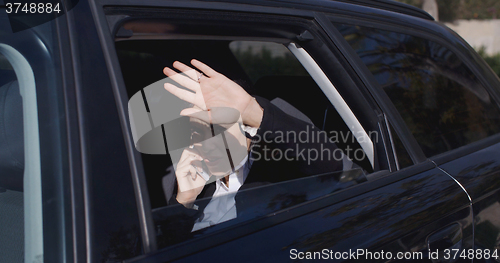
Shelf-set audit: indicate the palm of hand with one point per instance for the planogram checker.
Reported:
(209, 90)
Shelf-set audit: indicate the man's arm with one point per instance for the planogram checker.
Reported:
(294, 138)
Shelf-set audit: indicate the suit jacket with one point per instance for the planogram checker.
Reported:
(178, 221)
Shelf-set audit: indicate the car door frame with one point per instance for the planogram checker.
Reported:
(86, 89)
(181, 250)
(466, 54)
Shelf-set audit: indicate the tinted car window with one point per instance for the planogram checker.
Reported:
(439, 98)
(29, 97)
(260, 59)
(11, 167)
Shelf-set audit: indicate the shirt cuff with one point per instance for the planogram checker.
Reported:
(252, 131)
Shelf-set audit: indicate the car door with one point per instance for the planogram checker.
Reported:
(475, 164)
(454, 121)
(393, 214)
(476, 168)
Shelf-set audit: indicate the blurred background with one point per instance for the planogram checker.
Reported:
(477, 21)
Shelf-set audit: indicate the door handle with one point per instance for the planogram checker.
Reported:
(449, 237)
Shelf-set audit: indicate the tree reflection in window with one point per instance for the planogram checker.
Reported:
(437, 95)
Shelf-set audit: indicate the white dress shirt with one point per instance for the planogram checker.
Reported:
(222, 206)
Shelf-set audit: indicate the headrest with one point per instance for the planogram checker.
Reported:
(11, 137)
(300, 91)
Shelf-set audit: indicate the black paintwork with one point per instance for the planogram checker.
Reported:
(396, 217)
(478, 173)
(112, 229)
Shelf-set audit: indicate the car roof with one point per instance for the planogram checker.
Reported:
(387, 5)
(391, 5)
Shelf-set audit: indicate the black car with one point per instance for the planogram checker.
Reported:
(404, 97)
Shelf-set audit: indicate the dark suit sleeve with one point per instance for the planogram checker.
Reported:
(300, 143)
(176, 221)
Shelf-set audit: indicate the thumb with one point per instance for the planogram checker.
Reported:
(198, 114)
(189, 111)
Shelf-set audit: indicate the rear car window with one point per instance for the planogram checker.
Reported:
(440, 99)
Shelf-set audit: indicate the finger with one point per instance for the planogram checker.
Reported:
(182, 79)
(188, 156)
(169, 72)
(195, 159)
(185, 81)
(192, 156)
(190, 111)
(204, 68)
(193, 173)
(187, 168)
(200, 115)
(197, 164)
(190, 72)
(180, 93)
(193, 152)
(185, 158)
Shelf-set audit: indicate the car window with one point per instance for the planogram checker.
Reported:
(20, 188)
(272, 179)
(30, 124)
(259, 59)
(440, 99)
(12, 166)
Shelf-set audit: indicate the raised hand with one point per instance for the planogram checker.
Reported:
(212, 89)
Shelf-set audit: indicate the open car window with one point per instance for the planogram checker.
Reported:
(266, 65)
